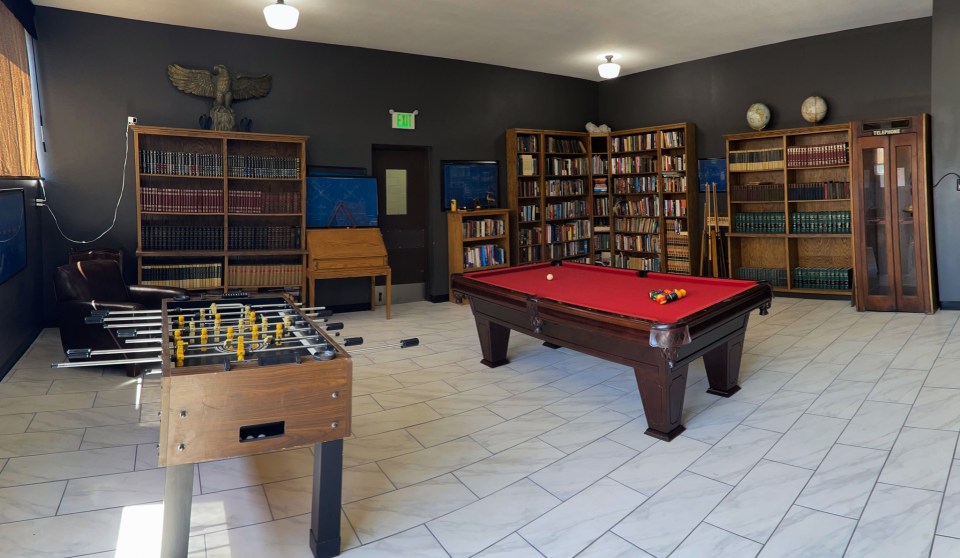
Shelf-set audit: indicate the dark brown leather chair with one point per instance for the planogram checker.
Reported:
(97, 284)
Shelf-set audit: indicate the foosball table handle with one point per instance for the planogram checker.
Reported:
(351, 341)
(412, 342)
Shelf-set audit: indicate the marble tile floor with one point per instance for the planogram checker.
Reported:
(842, 442)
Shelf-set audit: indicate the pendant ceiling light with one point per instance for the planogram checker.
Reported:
(609, 69)
(281, 16)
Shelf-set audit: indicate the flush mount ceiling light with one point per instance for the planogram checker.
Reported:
(609, 69)
(281, 16)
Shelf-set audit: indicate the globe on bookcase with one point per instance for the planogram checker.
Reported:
(758, 116)
(813, 109)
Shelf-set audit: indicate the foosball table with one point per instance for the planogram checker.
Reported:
(241, 376)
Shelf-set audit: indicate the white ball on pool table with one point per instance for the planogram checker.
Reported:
(549, 277)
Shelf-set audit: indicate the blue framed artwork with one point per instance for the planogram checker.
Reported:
(713, 171)
(13, 234)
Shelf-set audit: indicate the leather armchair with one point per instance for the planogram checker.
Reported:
(88, 285)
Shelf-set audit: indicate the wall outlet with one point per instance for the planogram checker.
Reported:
(131, 121)
(958, 184)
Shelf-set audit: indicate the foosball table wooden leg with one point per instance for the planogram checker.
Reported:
(325, 511)
(177, 501)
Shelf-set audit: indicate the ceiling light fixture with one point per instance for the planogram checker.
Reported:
(281, 16)
(609, 69)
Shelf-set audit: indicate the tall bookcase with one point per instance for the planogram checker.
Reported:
(477, 239)
(790, 209)
(219, 210)
(625, 202)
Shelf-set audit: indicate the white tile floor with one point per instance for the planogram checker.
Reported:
(842, 442)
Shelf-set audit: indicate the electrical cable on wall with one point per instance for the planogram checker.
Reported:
(116, 210)
(939, 180)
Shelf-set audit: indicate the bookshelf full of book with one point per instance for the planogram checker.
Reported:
(477, 239)
(220, 210)
(618, 198)
(789, 202)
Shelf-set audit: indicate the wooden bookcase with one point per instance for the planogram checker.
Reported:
(788, 195)
(478, 239)
(219, 210)
(629, 200)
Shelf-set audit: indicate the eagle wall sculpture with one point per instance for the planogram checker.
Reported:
(223, 88)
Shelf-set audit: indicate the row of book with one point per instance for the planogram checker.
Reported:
(601, 207)
(820, 222)
(531, 235)
(600, 185)
(678, 226)
(831, 278)
(529, 254)
(568, 249)
(528, 188)
(828, 190)
(756, 159)
(181, 200)
(180, 163)
(573, 209)
(526, 143)
(527, 165)
(574, 230)
(818, 155)
(476, 228)
(648, 206)
(678, 265)
(767, 191)
(259, 201)
(601, 241)
(678, 240)
(568, 187)
(274, 275)
(672, 139)
(638, 242)
(564, 145)
(635, 185)
(565, 166)
(675, 208)
(598, 164)
(264, 237)
(631, 165)
(181, 237)
(529, 213)
(637, 224)
(263, 166)
(673, 163)
(636, 142)
(184, 276)
(776, 277)
(627, 262)
(760, 222)
(484, 255)
(675, 184)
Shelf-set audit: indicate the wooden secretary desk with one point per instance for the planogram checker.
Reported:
(892, 215)
(342, 253)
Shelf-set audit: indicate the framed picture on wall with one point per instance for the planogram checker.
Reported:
(713, 171)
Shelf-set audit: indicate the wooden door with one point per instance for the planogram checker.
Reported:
(402, 186)
(875, 252)
(907, 218)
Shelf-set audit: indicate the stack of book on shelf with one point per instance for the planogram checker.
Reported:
(601, 207)
(818, 155)
(181, 237)
(529, 213)
(673, 138)
(184, 276)
(528, 188)
(526, 165)
(673, 163)
(820, 222)
(179, 163)
(573, 230)
(564, 166)
(638, 142)
(477, 228)
(568, 249)
(598, 164)
(564, 145)
(761, 222)
(526, 144)
(756, 160)
(533, 235)
(759, 191)
(637, 224)
(638, 242)
(776, 277)
(644, 207)
(264, 237)
(258, 201)
(181, 200)
(566, 210)
(835, 278)
(675, 184)
(567, 187)
(675, 208)
(635, 164)
(678, 252)
(600, 185)
(270, 274)
(483, 255)
(627, 262)
(263, 166)
(635, 185)
(829, 190)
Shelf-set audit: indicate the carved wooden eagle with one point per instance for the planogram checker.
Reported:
(218, 84)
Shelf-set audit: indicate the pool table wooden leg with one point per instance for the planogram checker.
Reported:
(661, 391)
(494, 339)
(723, 367)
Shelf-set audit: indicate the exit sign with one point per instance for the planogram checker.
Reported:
(404, 120)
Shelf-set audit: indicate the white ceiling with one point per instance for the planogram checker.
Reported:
(565, 37)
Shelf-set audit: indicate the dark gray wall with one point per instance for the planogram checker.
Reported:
(21, 296)
(945, 116)
(95, 71)
(871, 72)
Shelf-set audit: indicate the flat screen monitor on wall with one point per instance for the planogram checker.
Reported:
(472, 183)
(341, 201)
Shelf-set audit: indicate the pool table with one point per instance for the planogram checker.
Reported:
(607, 312)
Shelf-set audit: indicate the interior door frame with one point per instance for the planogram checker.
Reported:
(878, 302)
(428, 157)
(907, 303)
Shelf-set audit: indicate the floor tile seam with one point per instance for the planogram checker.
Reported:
(943, 495)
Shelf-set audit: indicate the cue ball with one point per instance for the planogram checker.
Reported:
(549, 277)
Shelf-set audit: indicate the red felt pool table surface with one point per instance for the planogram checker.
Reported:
(618, 291)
